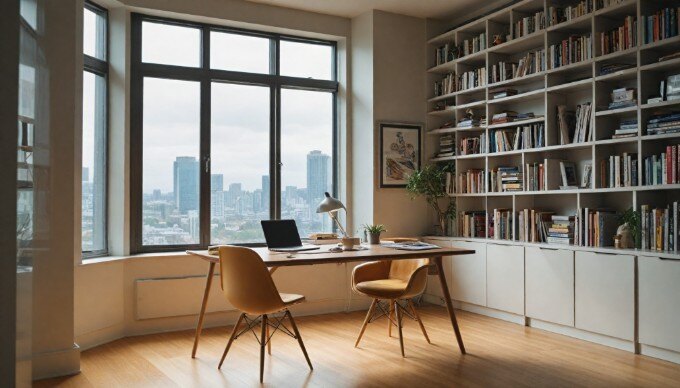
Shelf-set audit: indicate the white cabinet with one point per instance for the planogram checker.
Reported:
(605, 294)
(505, 278)
(468, 274)
(659, 302)
(550, 284)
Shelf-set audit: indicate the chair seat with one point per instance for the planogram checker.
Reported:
(291, 299)
(383, 288)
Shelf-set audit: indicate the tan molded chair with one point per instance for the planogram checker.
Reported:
(391, 281)
(248, 285)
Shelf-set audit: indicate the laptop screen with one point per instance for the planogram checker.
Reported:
(281, 233)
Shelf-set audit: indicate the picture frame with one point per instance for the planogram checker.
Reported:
(400, 152)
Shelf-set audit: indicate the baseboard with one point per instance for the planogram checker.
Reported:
(481, 310)
(573, 332)
(663, 354)
(57, 363)
(100, 337)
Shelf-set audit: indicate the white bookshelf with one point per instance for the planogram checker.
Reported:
(541, 92)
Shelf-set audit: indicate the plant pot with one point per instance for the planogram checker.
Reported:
(374, 238)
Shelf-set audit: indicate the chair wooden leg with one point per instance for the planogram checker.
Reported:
(389, 318)
(299, 338)
(398, 314)
(269, 342)
(263, 339)
(368, 318)
(231, 339)
(420, 322)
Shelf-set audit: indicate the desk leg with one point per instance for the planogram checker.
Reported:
(199, 325)
(449, 305)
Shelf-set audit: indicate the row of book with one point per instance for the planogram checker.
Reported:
(472, 145)
(532, 62)
(621, 38)
(551, 174)
(446, 85)
(571, 50)
(619, 171)
(660, 25)
(501, 224)
(663, 169)
(608, 3)
(519, 138)
(505, 179)
(446, 146)
(574, 127)
(659, 124)
(659, 229)
(529, 24)
(595, 227)
(444, 54)
(472, 79)
(470, 182)
(557, 15)
(474, 45)
(472, 224)
(450, 185)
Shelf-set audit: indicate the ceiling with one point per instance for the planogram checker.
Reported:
(435, 9)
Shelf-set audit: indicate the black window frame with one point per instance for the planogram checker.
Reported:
(100, 67)
(206, 76)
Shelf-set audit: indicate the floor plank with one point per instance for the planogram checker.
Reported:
(500, 354)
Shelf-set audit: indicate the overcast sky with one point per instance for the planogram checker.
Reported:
(240, 113)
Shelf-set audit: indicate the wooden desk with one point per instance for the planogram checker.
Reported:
(274, 260)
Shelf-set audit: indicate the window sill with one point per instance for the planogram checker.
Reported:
(111, 259)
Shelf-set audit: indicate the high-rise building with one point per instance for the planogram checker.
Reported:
(265, 192)
(86, 174)
(216, 195)
(318, 176)
(216, 182)
(233, 194)
(185, 183)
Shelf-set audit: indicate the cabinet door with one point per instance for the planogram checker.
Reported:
(605, 294)
(505, 278)
(659, 302)
(468, 273)
(433, 286)
(550, 285)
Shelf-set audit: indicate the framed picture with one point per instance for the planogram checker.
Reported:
(399, 153)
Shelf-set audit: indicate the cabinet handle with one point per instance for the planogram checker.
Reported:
(548, 249)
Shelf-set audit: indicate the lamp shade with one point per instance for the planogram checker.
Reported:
(329, 204)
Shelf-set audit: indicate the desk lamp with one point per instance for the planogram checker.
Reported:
(332, 206)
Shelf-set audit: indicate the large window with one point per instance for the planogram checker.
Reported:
(94, 240)
(229, 127)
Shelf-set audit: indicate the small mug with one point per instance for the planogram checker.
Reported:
(348, 243)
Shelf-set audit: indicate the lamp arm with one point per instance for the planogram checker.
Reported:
(332, 214)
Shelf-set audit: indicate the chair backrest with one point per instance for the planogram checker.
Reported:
(413, 271)
(246, 281)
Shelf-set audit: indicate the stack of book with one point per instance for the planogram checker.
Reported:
(610, 68)
(520, 138)
(471, 182)
(561, 230)
(529, 25)
(571, 50)
(502, 92)
(506, 116)
(470, 146)
(663, 169)
(505, 179)
(472, 79)
(660, 25)
(660, 227)
(471, 46)
(574, 127)
(501, 225)
(473, 223)
(447, 85)
(446, 146)
(619, 171)
(622, 98)
(627, 128)
(621, 38)
(557, 15)
(663, 123)
(468, 123)
(445, 53)
(533, 225)
(595, 227)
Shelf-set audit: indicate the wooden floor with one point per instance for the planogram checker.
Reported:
(499, 354)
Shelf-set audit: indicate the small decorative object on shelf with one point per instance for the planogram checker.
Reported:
(374, 232)
(629, 230)
(430, 182)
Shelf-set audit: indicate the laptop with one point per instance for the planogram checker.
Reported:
(283, 236)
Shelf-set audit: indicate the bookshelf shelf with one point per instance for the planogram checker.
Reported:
(541, 93)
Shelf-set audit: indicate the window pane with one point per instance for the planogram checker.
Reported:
(239, 52)
(239, 163)
(306, 60)
(171, 45)
(94, 34)
(170, 179)
(307, 156)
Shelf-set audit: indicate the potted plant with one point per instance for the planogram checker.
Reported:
(430, 182)
(373, 232)
(629, 230)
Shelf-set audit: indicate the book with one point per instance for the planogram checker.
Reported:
(568, 173)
